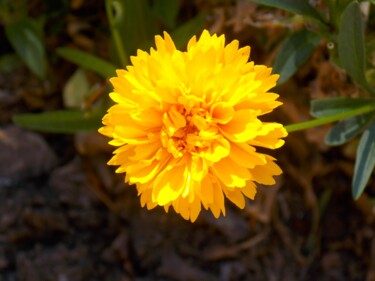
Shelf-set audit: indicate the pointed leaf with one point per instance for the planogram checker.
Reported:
(300, 7)
(167, 11)
(25, 38)
(135, 22)
(348, 129)
(351, 45)
(365, 161)
(335, 10)
(184, 32)
(62, 121)
(9, 62)
(294, 52)
(76, 89)
(88, 61)
(331, 106)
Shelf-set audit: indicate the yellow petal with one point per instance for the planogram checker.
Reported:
(206, 193)
(265, 103)
(144, 171)
(269, 136)
(222, 112)
(216, 151)
(217, 206)
(145, 151)
(243, 126)
(170, 182)
(236, 197)
(187, 125)
(246, 155)
(249, 190)
(145, 196)
(195, 209)
(264, 173)
(166, 45)
(198, 168)
(230, 173)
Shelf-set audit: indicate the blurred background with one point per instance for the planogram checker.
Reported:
(65, 215)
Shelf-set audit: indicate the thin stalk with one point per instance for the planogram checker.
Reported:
(329, 119)
(119, 46)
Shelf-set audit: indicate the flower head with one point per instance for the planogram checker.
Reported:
(187, 125)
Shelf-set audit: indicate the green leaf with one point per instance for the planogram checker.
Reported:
(348, 129)
(335, 9)
(365, 161)
(135, 22)
(370, 76)
(9, 62)
(25, 38)
(12, 10)
(351, 45)
(88, 61)
(294, 52)
(76, 89)
(184, 32)
(300, 7)
(167, 11)
(62, 121)
(331, 106)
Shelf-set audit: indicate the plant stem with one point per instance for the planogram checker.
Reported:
(329, 119)
(119, 46)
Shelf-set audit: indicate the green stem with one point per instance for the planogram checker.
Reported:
(329, 119)
(119, 46)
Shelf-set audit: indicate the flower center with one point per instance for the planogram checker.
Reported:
(184, 128)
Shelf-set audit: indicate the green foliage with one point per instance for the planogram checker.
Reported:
(25, 37)
(355, 115)
(12, 10)
(76, 90)
(88, 61)
(9, 62)
(182, 34)
(125, 15)
(327, 107)
(329, 114)
(133, 25)
(336, 7)
(62, 121)
(351, 45)
(349, 128)
(365, 161)
(25, 34)
(294, 52)
(300, 7)
(167, 11)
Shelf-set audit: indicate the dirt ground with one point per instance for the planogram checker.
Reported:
(65, 215)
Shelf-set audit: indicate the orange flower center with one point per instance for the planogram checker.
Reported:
(183, 129)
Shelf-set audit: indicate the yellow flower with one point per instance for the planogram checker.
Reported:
(187, 125)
